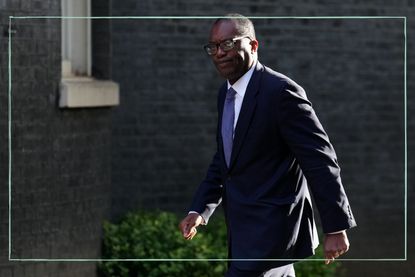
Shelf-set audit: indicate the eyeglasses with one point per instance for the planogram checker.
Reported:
(226, 45)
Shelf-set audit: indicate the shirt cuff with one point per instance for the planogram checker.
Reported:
(338, 232)
(203, 222)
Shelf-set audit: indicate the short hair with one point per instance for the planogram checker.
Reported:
(243, 24)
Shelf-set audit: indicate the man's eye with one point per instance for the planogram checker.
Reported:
(227, 44)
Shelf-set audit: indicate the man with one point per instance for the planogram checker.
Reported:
(270, 145)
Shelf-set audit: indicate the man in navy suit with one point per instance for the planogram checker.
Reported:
(271, 149)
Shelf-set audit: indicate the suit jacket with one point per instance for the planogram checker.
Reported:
(279, 147)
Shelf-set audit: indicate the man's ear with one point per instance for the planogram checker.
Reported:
(254, 46)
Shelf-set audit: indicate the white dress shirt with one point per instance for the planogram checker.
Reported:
(240, 88)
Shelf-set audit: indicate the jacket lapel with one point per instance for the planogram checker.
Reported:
(246, 113)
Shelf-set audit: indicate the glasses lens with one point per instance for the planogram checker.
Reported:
(210, 49)
(227, 45)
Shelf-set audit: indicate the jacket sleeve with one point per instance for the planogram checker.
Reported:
(304, 134)
(209, 191)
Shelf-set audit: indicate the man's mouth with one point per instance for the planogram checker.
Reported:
(224, 63)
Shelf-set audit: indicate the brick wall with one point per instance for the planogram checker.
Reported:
(61, 158)
(164, 127)
(352, 71)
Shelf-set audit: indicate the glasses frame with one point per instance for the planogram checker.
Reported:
(221, 45)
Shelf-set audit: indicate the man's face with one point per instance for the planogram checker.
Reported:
(236, 62)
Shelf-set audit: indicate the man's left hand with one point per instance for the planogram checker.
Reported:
(335, 245)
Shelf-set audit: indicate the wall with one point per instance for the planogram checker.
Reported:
(60, 158)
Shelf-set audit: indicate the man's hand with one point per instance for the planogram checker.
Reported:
(335, 245)
(189, 224)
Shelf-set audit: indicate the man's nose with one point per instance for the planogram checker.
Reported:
(220, 52)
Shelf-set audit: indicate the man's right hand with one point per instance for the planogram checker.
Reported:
(189, 224)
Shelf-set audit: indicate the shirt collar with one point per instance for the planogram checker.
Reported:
(242, 83)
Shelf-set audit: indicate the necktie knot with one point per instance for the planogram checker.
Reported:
(230, 95)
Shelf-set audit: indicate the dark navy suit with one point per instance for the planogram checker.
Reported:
(279, 147)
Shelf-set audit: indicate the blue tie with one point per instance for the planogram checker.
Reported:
(228, 118)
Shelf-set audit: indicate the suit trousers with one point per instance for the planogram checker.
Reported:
(282, 271)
